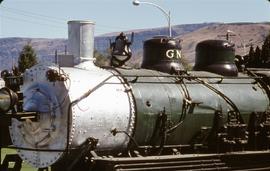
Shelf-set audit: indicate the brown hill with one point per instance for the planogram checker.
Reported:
(246, 34)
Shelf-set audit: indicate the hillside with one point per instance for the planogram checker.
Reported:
(102, 42)
(247, 34)
(190, 34)
(45, 49)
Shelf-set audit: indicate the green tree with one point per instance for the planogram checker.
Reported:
(258, 57)
(265, 54)
(101, 60)
(251, 56)
(27, 58)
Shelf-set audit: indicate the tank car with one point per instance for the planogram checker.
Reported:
(159, 117)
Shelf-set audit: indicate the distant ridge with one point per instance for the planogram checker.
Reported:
(190, 34)
(247, 34)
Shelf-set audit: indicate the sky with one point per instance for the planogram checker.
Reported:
(48, 18)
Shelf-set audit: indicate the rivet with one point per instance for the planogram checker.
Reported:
(148, 103)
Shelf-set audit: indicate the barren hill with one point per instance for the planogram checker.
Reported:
(245, 35)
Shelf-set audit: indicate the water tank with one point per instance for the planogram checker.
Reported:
(216, 56)
(81, 40)
(163, 54)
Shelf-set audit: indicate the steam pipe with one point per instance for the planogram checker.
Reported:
(7, 100)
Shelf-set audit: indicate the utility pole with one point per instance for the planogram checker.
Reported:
(0, 23)
(228, 35)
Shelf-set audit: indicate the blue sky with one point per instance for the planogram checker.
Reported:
(48, 18)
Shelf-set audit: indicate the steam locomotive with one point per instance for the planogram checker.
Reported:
(158, 117)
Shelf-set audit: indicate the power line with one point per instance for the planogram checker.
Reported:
(49, 21)
(98, 30)
(32, 22)
(32, 15)
(55, 19)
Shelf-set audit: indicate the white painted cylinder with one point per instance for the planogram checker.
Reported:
(81, 40)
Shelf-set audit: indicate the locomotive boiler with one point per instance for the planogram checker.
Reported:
(158, 117)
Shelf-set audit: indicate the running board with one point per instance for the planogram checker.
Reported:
(248, 161)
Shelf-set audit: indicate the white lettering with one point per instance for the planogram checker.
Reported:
(171, 53)
(179, 54)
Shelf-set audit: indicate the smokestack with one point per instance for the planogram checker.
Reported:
(81, 40)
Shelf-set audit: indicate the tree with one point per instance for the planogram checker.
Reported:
(101, 60)
(251, 56)
(265, 54)
(258, 57)
(27, 58)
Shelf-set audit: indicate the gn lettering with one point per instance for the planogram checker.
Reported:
(173, 53)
